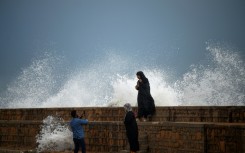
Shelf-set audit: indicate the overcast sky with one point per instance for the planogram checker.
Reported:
(170, 33)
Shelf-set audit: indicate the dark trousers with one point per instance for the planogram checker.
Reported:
(79, 143)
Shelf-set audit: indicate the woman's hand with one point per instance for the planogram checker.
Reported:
(137, 86)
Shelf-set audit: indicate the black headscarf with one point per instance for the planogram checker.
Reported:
(142, 76)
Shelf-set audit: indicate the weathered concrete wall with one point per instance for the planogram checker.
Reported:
(225, 138)
(188, 134)
(19, 134)
(175, 114)
(163, 137)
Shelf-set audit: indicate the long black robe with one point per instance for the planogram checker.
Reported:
(146, 105)
(131, 131)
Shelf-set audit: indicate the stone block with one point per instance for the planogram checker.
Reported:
(19, 127)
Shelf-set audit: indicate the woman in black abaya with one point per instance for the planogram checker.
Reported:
(131, 128)
(146, 105)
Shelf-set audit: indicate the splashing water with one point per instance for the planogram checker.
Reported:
(111, 82)
(164, 94)
(35, 84)
(221, 84)
(54, 135)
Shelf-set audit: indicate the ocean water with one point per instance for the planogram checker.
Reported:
(110, 81)
(54, 135)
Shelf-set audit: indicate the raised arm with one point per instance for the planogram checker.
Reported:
(83, 121)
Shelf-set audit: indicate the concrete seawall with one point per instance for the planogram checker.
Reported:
(172, 129)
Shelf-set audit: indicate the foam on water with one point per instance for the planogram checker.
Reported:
(220, 84)
(54, 135)
(110, 81)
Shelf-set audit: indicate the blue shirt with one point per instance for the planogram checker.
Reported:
(77, 129)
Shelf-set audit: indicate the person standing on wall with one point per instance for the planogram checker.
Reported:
(146, 105)
(78, 131)
(131, 128)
